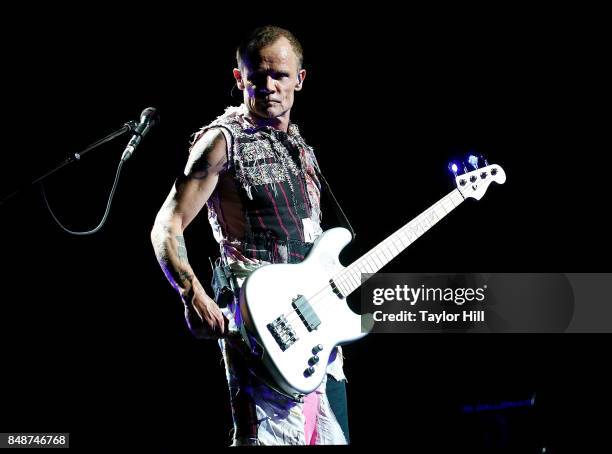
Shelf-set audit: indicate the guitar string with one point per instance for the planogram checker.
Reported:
(346, 277)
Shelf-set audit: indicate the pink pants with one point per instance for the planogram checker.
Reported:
(311, 409)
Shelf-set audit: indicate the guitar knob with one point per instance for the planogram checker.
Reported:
(317, 349)
(308, 372)
(314, 360)
(483, 175)
(473, 178)
(493, 171)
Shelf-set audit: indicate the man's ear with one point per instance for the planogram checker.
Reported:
(300, 79)
(238, 77)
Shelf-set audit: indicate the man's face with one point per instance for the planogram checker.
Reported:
(270, 79)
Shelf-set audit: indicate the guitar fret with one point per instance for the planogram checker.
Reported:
(353, 280)
(383, 251)
(399, 238)
(373, 266)
(363, 268)
(393, 246)
(345, 289)
(372, 261)
(398, 245)
(407, 241)
(375, 255)
(447, 210)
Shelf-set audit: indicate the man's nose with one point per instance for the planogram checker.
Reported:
(268, 85)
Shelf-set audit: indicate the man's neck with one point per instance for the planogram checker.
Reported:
(280, 123)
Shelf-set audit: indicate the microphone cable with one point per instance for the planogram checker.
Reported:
(108, 206)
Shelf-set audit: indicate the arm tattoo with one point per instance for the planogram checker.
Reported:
(200, 170)
(199, 165)
(182, 250)
(185, 276)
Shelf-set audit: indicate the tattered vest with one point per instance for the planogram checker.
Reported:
(266, 205)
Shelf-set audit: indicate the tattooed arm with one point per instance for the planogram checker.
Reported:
(187, 197)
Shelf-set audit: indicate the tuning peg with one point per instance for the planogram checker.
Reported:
(452, 166)
(473, 161)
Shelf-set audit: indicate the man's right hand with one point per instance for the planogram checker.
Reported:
(204, 318)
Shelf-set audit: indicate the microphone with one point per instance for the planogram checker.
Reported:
(148, 118)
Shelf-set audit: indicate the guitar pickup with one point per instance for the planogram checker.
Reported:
(306, 313)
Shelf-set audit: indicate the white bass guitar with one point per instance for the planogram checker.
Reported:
(295, 314)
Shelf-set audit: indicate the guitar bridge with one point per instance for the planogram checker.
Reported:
(282, 332)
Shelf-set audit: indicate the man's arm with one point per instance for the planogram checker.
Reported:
(189, 194)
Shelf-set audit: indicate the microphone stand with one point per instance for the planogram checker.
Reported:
(129, 126)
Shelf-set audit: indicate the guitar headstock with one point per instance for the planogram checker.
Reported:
(475, 183)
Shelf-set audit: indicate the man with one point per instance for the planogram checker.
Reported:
(259, 180)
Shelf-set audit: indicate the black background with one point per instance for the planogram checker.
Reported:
(92, 335)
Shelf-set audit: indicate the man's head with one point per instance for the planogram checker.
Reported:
(269, 71)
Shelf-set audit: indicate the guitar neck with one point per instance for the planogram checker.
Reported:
(351, 278)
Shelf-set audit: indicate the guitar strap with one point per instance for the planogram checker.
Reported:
(337, 208)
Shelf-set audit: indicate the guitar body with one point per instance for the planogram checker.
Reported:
(315, 316)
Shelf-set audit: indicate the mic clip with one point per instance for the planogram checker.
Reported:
(131, 125)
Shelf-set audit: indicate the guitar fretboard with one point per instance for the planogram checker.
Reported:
(351, 277)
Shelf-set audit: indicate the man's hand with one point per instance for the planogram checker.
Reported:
(204, 318)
